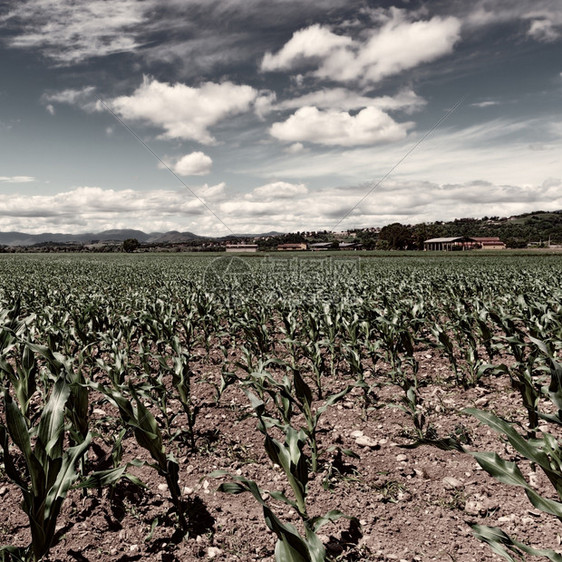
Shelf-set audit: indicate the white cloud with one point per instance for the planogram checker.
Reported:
(212, 192)
(545, 30)
(544, 17)
(339, 128)
(504, 152)
(277, 190)
(278, 205)
(94, 209)
(399, 44)
(194, 164)
(84, 97)
(70, 31)
(295, 148)
(16, 179)
(486, 103)
(346, 100)
(182, 111)
(314, 41)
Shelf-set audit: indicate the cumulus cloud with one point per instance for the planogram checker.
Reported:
(185, 112)
(277, 190)
(314, 41)
(339, 128)
(90, 209)
(70, 31)
(277, 205)
(194, 164)
(399, 44)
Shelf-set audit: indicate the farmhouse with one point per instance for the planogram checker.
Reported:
(295, 247)
(463, 243)
(490, 243)
(241, 247)
(322, 246)
(448, 244)
(350, 246)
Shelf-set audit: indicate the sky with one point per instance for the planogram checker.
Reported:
(249, 116)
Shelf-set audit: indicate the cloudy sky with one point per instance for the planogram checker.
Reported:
(221, 116)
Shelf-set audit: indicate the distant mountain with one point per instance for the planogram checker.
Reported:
(115, 235)
(172, 237)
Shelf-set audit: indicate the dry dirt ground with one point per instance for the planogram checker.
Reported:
(409, 504)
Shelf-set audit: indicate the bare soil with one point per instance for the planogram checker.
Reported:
(409, 504)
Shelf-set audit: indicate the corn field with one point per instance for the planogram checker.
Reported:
(173, 407)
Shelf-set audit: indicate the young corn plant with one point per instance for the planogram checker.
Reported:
(181, 375)
(49, 467)
(291, 395)
(544, 452)
(148, 435)
(291, 546)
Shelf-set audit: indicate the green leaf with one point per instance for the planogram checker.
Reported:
(334, 515)
(65, 478)
(518, 443)
(498, 541)
(284, 552)
(103, 478)
(17, 426)
(51, 427)
(504, 471)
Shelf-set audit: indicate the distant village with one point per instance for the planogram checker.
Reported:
(531, 230)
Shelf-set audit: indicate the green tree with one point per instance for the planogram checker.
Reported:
(397, 235)
(130, 245)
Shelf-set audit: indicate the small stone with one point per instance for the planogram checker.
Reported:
(163, 487)
(3, 490)
(421, 473)
(401, 458)
(481, 402)
(187, 491)
(357, 433)
(99, 412)
(134, 547)
(213, 552)
(366, 441)
(452, 483)
(473, 507)
(506, 518)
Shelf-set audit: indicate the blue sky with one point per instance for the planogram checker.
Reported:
(276, 114)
